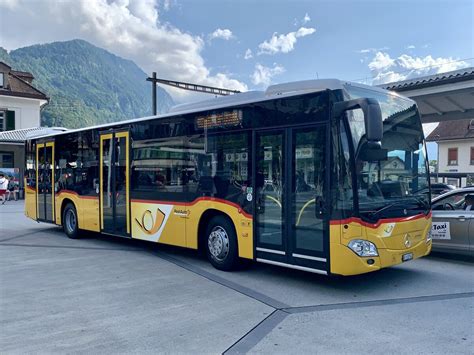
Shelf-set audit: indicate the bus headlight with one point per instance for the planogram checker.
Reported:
(428, 236)
(363, 247)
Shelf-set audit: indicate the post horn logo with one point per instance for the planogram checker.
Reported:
(407, 240)
(155, 225)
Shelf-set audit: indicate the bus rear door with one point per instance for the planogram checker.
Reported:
(114, 183)
(45, 181)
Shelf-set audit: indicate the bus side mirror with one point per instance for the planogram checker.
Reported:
(372, 118)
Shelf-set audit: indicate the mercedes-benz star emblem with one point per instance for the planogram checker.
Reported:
(407, 240)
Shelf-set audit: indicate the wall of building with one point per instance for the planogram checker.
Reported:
(27, 111)
(18, 152)
(464, 157)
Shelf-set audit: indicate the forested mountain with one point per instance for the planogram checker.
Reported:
(87, 85)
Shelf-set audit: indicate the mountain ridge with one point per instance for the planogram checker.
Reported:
(88, 85)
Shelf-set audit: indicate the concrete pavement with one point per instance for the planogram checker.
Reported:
(101, 294)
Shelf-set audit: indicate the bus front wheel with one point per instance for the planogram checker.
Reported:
(221, 243)
(70, 222)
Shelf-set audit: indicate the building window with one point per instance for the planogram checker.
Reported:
(2, 121)
(472, 155)
(453, 156)
(6, 160)
(2, 80)
(7, 121)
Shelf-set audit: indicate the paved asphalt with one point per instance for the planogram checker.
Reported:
(105, 295)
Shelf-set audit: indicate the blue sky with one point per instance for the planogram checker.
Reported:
(372, 41)
(247, 45)
(441, 29)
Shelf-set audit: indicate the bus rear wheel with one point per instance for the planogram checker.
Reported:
(70, 221)
(221, 243)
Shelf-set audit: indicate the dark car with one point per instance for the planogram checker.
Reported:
(440, 188)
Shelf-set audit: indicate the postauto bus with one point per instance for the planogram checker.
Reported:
(325, 176)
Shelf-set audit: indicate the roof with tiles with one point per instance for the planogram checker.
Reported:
(18, 84)
(452, 130)
(431, 80)
(19, 135)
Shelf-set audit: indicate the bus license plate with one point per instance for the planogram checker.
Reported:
(407, 256)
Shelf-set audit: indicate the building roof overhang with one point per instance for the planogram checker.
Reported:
(440, 97)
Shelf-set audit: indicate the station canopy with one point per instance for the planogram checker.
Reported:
(441, 97)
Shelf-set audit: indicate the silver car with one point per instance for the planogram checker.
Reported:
(453, 222)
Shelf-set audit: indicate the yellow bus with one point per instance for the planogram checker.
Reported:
(324, 176)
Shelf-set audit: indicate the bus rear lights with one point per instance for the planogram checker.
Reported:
(363, 247)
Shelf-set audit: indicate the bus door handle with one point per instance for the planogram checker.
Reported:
(319, 209)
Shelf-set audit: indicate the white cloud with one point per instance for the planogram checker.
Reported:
(284, 43)
(248, 54)
(306, 18)
(9, 4)
(167, 4)
(366, 50)
(263, 75)
(381, 61)
(128, 28)
(386, 69)
(303, 21)
(371, 50)
(224, 34)
(411, 46)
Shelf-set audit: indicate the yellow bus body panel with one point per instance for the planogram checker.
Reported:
(241, 220)
(393, 239)
(90, 214)
(178, 223)
(30, 202)
(87, 208)
(156, 222)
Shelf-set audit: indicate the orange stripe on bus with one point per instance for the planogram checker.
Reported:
(75, 193)
(379, 222)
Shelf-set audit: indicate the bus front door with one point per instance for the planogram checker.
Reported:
(114, 183)
(291, 183)
(45, 181)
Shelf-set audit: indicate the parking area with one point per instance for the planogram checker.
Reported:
(100, 294)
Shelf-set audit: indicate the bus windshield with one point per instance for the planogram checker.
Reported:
(396, 184)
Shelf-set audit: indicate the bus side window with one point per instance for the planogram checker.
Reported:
(31, 165)
(221, 167)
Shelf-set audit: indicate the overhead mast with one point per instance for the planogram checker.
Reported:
(185, 86)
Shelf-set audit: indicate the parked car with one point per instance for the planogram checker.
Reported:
(439, 188)
(453, 222)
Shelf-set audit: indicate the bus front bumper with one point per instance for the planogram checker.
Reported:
(345, 262)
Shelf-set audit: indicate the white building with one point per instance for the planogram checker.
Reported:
(20, 107)
(20, 101)
(455, 150)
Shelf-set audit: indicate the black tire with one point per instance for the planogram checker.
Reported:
(221, 243)
(70, 221)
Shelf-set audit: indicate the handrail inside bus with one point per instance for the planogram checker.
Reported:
(302, 210)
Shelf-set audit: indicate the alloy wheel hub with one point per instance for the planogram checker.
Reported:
(218, 243)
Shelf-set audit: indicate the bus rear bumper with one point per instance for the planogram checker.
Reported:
(345, 262)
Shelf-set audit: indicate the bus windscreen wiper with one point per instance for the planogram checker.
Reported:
(375, 213)
(419, 200)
